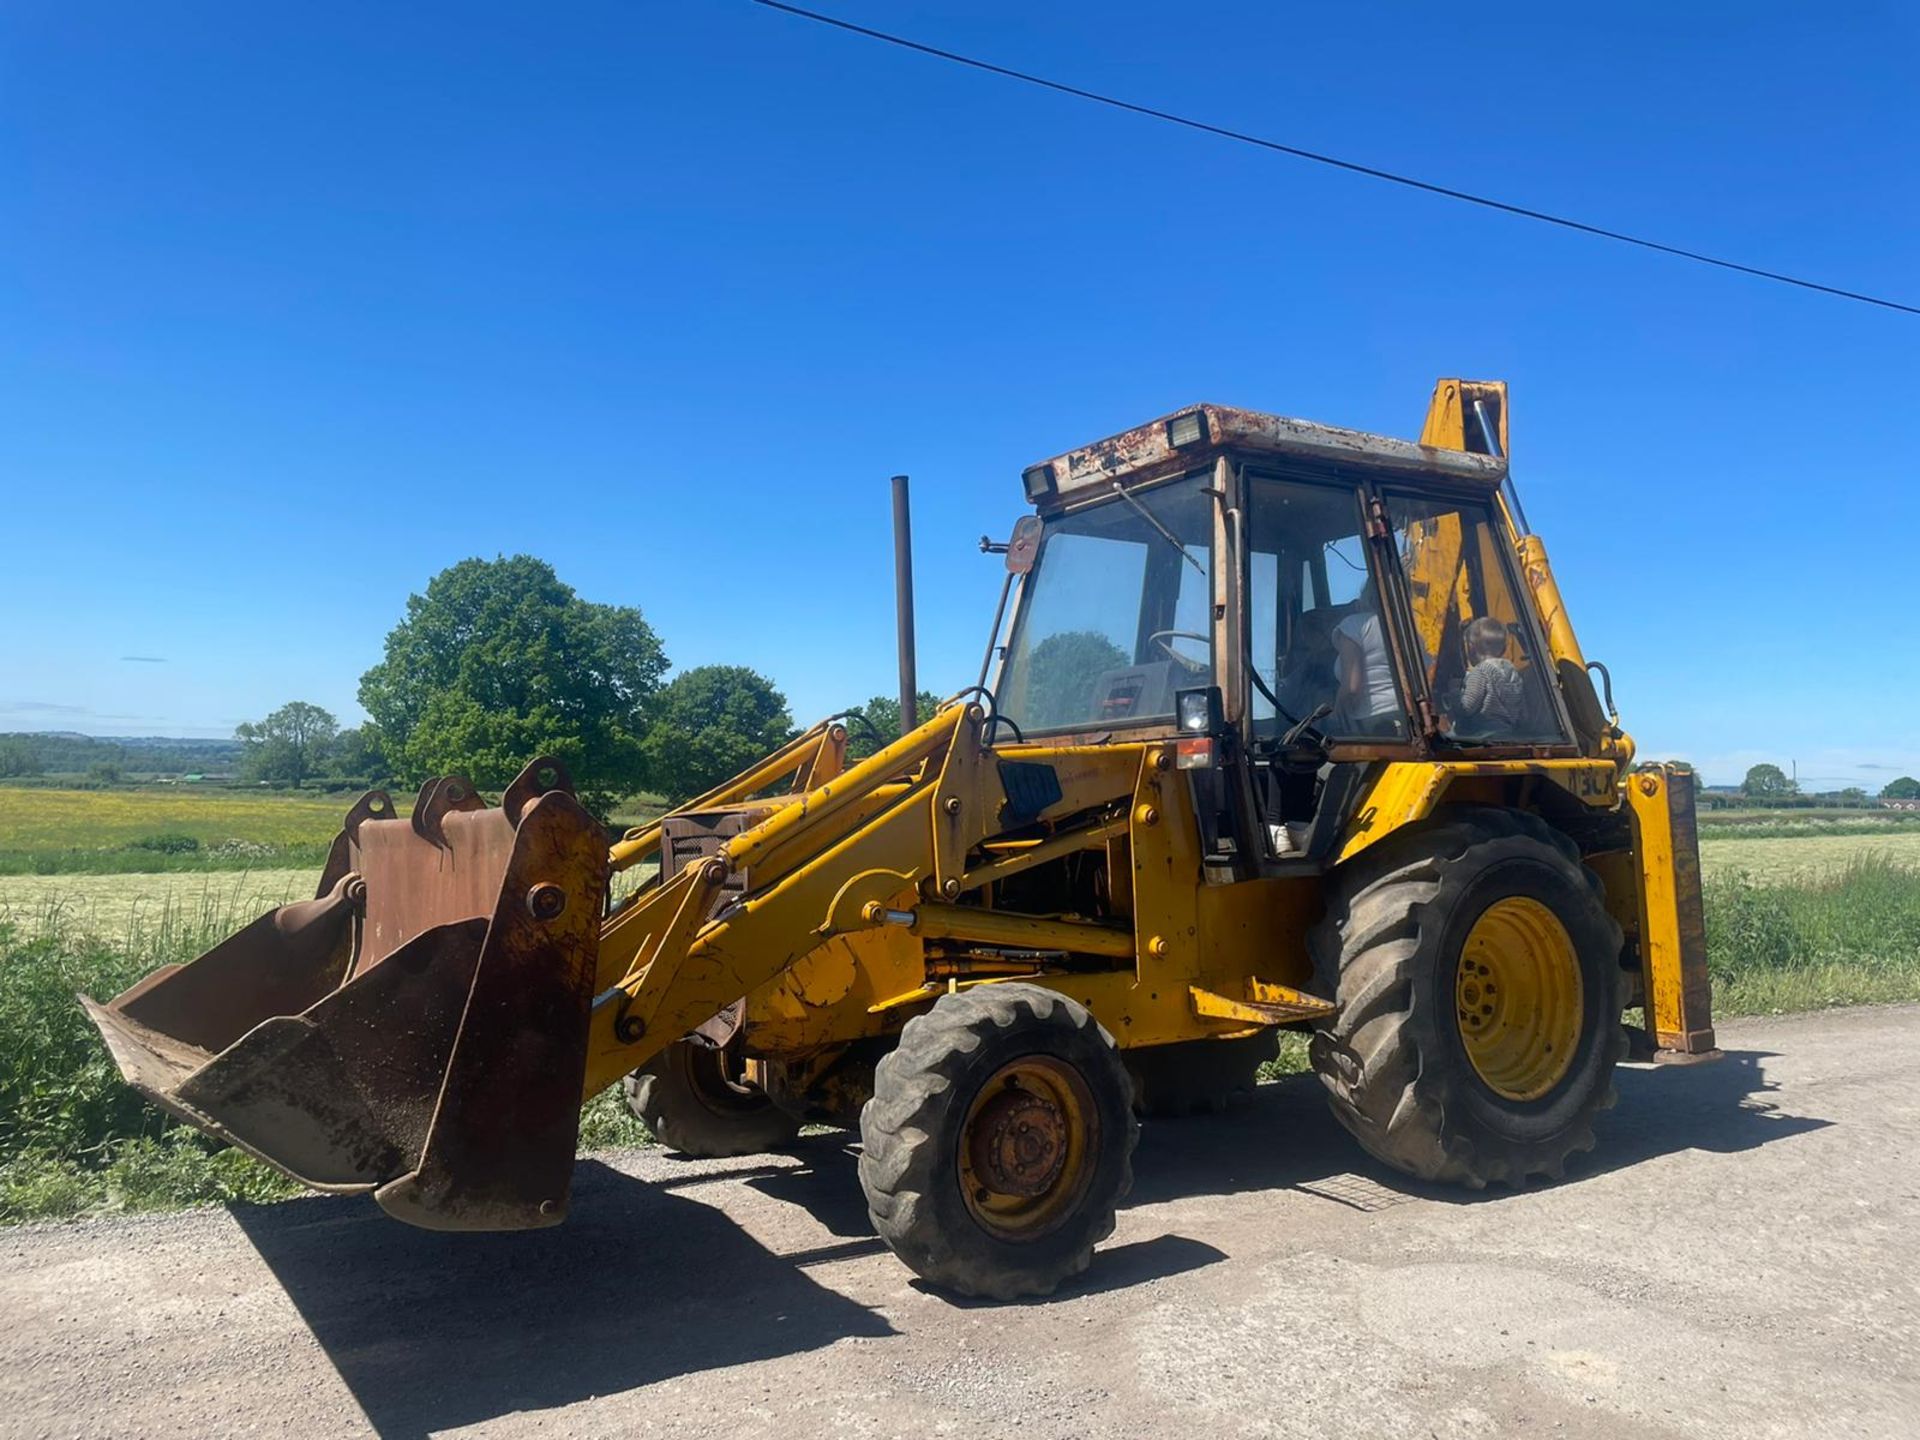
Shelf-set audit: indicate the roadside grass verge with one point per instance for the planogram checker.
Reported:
(1844, 935)
(74, 1140)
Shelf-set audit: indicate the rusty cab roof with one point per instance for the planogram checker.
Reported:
(1147, 452)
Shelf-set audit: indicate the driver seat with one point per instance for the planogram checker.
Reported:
(1133, 691)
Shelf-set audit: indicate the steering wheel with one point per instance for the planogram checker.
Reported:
(1164, 639)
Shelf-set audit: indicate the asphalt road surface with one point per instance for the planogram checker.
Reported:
(1742, 1258)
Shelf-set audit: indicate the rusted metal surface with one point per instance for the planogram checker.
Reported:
(1146, 452)
(374, 805)
(420, 1031)
(1018, 1142)
(499, 1155)
(418, 876)
(285, 961)
(723, 1028)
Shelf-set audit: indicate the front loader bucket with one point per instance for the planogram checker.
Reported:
(419, 1030)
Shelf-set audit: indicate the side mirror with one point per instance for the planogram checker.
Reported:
(1024, 545)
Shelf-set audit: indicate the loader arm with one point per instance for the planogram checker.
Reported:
(894, 831)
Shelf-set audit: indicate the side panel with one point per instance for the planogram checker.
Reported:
(1673, 938)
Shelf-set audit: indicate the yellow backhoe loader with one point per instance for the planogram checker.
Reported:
(1289, 729)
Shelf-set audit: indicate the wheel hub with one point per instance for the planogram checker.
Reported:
(1027, 1147)
(1019, 1142)
(1517, 997)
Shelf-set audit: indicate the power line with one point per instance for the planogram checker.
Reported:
(1353, 167)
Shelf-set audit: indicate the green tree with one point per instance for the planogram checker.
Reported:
(1905, 788)
(19, 755)
(710, 723)
(1060, 678)
(882, 714)
(360, 755)
(501, 661)
(288, 746)
(1853, 795)
(1768, 783)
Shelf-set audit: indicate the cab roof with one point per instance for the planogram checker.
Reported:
(1148, 452)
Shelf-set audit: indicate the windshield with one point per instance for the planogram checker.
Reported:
(1116, 613)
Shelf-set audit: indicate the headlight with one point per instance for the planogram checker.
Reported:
(1186, 430)
(1197, 712)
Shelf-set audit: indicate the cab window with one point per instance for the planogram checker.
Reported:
(1318, 641)
(1486, 682)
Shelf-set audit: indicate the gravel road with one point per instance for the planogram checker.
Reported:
(1743, 1259)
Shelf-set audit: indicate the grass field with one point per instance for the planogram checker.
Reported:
(1779, 857)
(172, 829)
(52, 832)
(1796, 920)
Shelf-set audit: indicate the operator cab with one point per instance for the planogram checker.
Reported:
(1315, 602)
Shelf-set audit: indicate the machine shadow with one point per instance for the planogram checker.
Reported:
(1115, 1267)
(1287, 1139)
(432, 1331)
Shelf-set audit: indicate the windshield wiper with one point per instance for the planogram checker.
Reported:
(1165, 534)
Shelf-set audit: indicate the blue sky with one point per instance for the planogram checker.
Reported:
(298, 306)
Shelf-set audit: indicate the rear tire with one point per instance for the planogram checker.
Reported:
(1433, 1074)
(1171, 1082)
(999, 1141)
(694, 1101)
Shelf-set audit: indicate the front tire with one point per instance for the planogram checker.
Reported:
(999, 1141)
(1480, 989)
(695, 1101)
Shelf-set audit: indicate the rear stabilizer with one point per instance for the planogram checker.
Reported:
(1673, 935)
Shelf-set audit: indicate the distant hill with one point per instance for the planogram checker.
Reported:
(62, 752)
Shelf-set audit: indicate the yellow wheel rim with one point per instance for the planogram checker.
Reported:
(1027, 1147)
(1518, 996)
